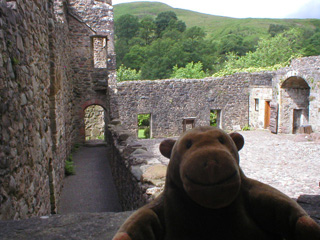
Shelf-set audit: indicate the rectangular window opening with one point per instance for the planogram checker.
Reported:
(256, 104)
(215, 118)
(99, 52)
(144, 126)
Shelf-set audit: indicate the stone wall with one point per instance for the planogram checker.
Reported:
(121, 145)
(257, 105)
(35, 117)
(308, 70)
(170, 101)
(91, 22)
(61, 98)
(98, 15)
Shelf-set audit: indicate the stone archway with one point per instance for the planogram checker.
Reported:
(294, 104)
(93, 117)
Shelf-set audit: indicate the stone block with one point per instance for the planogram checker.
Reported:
(155, 172)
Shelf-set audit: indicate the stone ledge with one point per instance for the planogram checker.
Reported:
(94, 226)
(71, 226)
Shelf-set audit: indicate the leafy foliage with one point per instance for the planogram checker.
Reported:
(158, 42)
(124, 74)
(271, 54)
(143, 120)
(213, 118)
(144, 125)
(192, 70)
(127, 26)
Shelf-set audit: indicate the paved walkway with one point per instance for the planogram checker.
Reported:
(280, 160)
(92, 188)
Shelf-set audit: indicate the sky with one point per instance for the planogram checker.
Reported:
(246, 8)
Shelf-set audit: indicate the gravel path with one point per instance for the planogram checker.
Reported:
(275, 159)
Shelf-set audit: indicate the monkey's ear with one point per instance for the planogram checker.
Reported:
(166, 147)
(238, 140)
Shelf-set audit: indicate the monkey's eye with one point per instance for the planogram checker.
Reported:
(221, 140)
(188, 144)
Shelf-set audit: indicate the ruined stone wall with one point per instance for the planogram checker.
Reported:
(99, 16)
(25, 126)
(131, 191)
(61, 98)
(308, 69)
(257, 113)
(90, 80)
(169, 101)
(35, 128)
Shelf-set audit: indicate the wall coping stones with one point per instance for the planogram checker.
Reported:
(143, 165)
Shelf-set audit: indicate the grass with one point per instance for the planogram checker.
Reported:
(69, 166)
(141, 133)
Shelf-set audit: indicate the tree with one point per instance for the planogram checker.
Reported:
(126, 27)
(135, 58)
(177, 24)
(192, 70)
(161, 56)
(122, 48)
(163, 19)
(195, 33)
(232, 43)
(270, 51)
(147, 29)
(124, 74)
(275, 29)
(313, 45)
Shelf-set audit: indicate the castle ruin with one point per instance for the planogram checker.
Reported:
(57, 59)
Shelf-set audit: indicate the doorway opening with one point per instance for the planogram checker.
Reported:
(144, 126)
(297, 120)
(94, 119)
(215, 118)
(294, 113)
(267, 111)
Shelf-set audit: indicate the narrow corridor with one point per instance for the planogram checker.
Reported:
(91, 189)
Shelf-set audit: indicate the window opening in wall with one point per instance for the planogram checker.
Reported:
(99, 52)
(256, 104)
(144, 125)
(94, 123)
(188, 123)
(215, 118)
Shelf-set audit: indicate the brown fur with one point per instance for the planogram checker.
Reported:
(207, 196)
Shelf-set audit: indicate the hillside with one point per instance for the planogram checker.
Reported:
(214, 26)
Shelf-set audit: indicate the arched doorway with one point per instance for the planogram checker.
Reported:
(94, 120)
(294, 104)
(93, 117)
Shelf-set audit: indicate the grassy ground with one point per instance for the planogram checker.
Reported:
(141, 133)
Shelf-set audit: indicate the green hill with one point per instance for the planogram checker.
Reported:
(214, 26)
